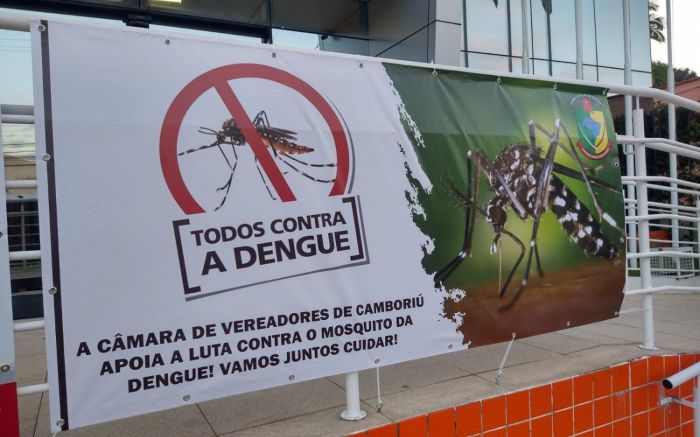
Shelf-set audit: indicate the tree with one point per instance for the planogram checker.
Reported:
(656, 23)
(659, 74)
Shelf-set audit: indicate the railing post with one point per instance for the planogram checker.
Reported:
(9, 417)
(352, 410)
(644, 247)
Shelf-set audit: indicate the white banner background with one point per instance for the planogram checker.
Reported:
(119, 272)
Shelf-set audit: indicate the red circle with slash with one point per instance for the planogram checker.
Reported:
(218, 79)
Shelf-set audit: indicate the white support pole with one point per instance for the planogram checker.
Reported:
(352, 398)
(643, 210)
(632, 227)
(671, 87)
(525, 10)
(579, 39)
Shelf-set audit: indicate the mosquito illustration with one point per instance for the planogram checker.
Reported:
(282, 142)
(526, 182)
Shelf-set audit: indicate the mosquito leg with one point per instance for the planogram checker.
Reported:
(326, 181)
(309, 164)
(601, 214)
(485, 165)
(541, 196)
(469, 203)
(537, 260)
(257, 165)
(520, 244)
(197, 149)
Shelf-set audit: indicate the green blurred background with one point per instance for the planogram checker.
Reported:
(456, 112)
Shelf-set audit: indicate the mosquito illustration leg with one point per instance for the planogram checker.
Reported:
(267, 187)
(469, 202)
(485, 165)
(282, 159)
(197, 149)
(227, 186)
(601, 214)
(520, 244)
(583, 174)
(537, 260)
(541, 196)
(308, 164)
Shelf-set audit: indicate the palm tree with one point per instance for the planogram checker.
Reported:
(656, 23)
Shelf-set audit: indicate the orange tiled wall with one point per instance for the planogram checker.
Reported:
(622, 400)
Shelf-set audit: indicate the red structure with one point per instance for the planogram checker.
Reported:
(622, 400)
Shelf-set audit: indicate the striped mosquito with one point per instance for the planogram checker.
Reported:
(282, 143)
(528, 183)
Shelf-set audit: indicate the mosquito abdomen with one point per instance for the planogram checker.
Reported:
(578, 222)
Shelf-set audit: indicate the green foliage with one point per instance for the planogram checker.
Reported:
(659, 74)
(656, 23)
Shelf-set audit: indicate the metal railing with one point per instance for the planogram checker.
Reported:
(649, 256)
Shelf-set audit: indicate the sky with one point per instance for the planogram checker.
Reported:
(686, 32)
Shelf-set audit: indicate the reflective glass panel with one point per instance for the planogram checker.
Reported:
(337, 17)
(641, 78)
(563, 30)
(243, 11)
(611, 75)
(590, 72)
(487, 26)
(540, 44)
(488, 62)
(414, 48)
(564, 69)
(639, 35)
(392, 21)
(609, 29)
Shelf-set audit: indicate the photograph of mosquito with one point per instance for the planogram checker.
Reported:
(282, 143)
(528, 183)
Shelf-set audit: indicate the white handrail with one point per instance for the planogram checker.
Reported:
(32, 389)
(25, 255)
(30, 326)
(18, 119)
(21, 184)
(661, 179)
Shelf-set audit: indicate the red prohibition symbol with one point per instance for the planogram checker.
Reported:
(218, 79)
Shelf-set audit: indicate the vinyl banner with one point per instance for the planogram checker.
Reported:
(219, 218)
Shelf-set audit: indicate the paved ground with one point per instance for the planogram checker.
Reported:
(312, 408)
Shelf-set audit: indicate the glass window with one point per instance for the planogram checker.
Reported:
(127, 3)
(516, 29)
(539, 28)
(640, 78)
(414, 48)
(564, 69)
(344, 45)
(590, 72)
(639, 35)
(588, 33)
(609, 29)
(393, 21)
(563, 30)
(299, 40)
(488, 62)
(337, 17)
(611, 75)
(16, 71)
(244, 11)
(541, 67)
(487, 26)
